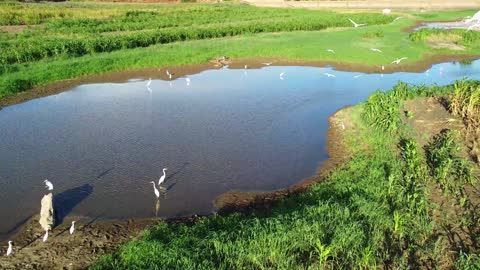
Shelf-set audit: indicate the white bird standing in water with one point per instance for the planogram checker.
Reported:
(188, 81)
(356, 24)
(399, 60)
(160, 181)
(149, 82)
(246, 66)
(329, 75)
(9, 249)
(375, 50)
(330, 50)
(72, 228)
(383, 67)
(157, 193)
(48, 184)
(45, 237)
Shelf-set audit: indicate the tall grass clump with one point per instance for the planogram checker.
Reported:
(465, 102)
(448, 169)
(460, 36)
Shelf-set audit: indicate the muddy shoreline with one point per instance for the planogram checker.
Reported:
(95, 236)
(179, 71)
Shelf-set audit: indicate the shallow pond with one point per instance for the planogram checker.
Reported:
(101, 144)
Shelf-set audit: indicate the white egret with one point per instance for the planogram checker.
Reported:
(397, 18)
(157, 193)
(383, 67)
(45, 237)
(330, 50)
(267, 64)
(386, 11)
(375, 50)
(356, 24)
(246, 66)
(329, 75)
(188, 81)
(9, 249)
(160, 181)
(169, 74)
(48, 184)
(72, 228)
(149, 82)
(281, 75)
(343, 126)
(399, 60)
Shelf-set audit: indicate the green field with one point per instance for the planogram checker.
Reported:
(67, 40)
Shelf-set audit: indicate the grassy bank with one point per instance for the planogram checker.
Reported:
(372, 212)
(113, 37)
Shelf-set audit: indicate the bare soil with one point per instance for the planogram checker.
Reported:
(430, 117)
(91, 239)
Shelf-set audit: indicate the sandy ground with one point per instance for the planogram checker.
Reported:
(372, 4)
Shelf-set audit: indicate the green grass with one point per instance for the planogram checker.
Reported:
(111, 37)
(372, 212)
(137, 28)
(350, 45)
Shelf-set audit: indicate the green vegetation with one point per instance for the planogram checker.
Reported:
(77, 37)
(68, 40)
(372, 212)
(463, 37)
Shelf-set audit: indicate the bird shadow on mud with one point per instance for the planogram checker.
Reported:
(65, 202)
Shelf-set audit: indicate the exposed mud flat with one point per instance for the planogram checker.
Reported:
(91, 239)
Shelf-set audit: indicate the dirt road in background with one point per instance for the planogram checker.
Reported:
(369, 4)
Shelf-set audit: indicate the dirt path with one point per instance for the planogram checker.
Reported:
(372, 4)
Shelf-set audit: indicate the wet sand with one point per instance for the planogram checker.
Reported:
(179, 71)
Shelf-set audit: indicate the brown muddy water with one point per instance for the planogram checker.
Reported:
(230, 129)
